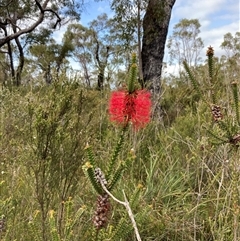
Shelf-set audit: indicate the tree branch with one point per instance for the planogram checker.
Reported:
(48, 10)
(6, 5)
(127, 206)
(40, 19)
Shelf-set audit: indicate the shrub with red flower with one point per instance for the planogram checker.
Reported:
(135, 108)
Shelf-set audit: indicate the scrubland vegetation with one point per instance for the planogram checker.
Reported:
(79, 162)
(182, 179)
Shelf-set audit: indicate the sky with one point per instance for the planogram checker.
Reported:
(217, 17)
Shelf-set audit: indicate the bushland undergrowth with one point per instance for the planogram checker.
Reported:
(185, 169)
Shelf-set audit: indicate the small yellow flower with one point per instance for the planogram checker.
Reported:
(87, 165)
(87, 146)
(51, 213)
(132, 151)
(36, 213)
(83, 207)
(150, 206)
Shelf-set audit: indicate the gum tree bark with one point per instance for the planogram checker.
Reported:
(155, 29)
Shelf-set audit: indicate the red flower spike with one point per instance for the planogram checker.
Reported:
(132, 108)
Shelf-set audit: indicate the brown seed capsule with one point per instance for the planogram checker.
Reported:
(210, 51)
(216, 112)
(100, 218)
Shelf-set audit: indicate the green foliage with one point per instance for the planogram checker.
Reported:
(122, 229)
(129, 15)
(13, 14)
(231, 44)
(116, 152)
(192, 78)
(236, 100)
(210, 54)
(114, 171)
(97, 49)
(90, 173)
(181, 182)
(225, 128)
(132, 75)
(46, 146)
(72, 218)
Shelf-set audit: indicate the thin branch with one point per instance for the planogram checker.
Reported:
(130, 213)
(3, 52)
(40, 19)
(42, 10)
(127, 206)
(6, 5)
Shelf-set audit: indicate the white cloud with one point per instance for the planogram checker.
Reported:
(101, 9)
(209, 13)
(214, 37)
(171, 69)
(217, 17)
(58, 34)
(196, 9)
(205, 23)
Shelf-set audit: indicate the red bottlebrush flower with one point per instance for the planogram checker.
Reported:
(133, 107)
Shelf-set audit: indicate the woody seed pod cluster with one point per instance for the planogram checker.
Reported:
(2, 223)
(216, 112)
(103, 208)
(101, 214)
(210, 51)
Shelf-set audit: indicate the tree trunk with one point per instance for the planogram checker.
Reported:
(101, 66)
(20, 64)
(48, 75)
(139, 25)
(155, 29)
(10, 54)
(17, 77)
(11, 60)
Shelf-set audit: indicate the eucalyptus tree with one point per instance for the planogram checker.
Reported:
(94, 47)
(102, 45)
(129, 14)
(231, 61)
(231, 44)
(155, 29)
(49, 58)
(144, 24)
(185, 44)
(81, 39)
(21, 17)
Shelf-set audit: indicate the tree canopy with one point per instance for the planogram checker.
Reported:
(21, 17)
(184, 43)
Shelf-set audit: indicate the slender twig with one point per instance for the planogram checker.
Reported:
(127, 206)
